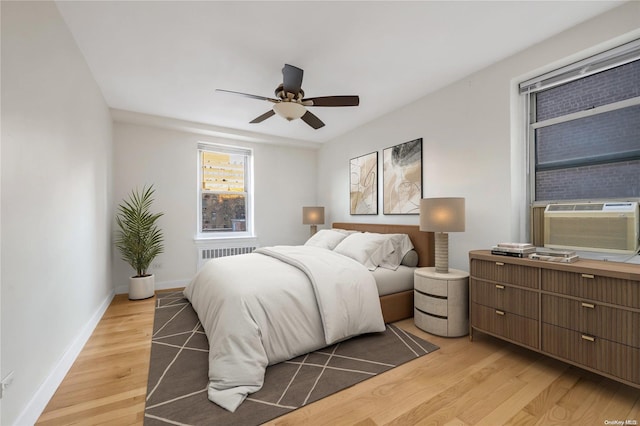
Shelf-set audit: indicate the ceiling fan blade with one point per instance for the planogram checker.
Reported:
(246, 95)
(332, 101)
(292, 79)
(263, 117)
(312, 120)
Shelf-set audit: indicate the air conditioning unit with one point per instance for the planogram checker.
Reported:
(604, 227)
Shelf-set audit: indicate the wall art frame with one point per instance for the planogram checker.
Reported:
(402, 178)
(363, 184)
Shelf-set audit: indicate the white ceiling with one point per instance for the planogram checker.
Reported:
(166, 58)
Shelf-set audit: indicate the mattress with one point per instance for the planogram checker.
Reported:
(389, 282)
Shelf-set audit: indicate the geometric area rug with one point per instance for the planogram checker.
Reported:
(177, 385)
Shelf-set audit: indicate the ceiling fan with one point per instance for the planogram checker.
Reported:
(291, 103)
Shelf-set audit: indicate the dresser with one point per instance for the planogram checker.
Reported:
(441, 302)
(585, 313)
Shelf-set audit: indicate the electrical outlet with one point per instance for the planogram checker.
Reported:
(4, 383)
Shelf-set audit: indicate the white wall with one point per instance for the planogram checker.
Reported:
(1, 376)
(285, 181)
(472, 139)
(56, 205)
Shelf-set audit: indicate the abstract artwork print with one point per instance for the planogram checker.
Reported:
(402, 178)
(363, 182)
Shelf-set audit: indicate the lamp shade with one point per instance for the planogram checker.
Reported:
(313, 215)
(442, 214)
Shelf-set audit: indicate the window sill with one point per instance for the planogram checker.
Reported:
(226, 240)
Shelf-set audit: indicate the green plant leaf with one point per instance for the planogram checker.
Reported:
(138, 237)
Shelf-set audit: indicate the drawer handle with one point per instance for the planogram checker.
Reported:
(587, 276)
(588, 338)
(499, 286)
(499, 312)
(588, 305)
(500, 263)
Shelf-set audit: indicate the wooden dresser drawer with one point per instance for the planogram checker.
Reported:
(504, 272)
(600, 354)
(505, 324)
(617, 325)
(503, 297)
(593, 287)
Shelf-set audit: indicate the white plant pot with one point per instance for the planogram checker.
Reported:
(141, 287)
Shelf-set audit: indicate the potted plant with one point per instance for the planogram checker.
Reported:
(139, 240)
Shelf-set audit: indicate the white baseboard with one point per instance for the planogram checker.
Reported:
(38, 403)
(161, 285)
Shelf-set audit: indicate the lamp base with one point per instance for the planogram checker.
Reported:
(314, 229)
(442, 252)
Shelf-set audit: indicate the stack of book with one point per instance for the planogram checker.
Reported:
(550, 255)
(513, 249)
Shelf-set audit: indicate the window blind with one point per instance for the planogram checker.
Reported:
(612, 58)
(225, 149)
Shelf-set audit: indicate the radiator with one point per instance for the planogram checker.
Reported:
(207, 253)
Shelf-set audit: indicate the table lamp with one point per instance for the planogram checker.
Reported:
(442, 215)
(313, 216)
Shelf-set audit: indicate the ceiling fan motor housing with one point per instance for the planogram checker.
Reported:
(288, 96)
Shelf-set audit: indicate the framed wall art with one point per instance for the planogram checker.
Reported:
(402, 178)
(363, 184)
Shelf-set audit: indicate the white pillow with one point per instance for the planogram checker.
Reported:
(326, 238)
(344, 231)
(367, 248)
(401, 246)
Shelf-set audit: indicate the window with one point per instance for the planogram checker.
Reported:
(224, 191)
(584, 129)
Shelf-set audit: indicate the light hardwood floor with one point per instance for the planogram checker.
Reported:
(484, 382)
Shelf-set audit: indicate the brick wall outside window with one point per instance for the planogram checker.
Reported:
(606, 87)
(590, 182)
(594, 137)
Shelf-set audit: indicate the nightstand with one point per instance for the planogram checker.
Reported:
(441, 302)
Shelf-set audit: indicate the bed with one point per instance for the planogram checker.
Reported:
(398, 305)
(280, 302)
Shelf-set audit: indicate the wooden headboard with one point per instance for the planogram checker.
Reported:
(423, 242)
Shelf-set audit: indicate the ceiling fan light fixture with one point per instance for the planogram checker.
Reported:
(289, 110)
(291, 103)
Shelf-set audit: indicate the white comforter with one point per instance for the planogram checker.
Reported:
(275, 304)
